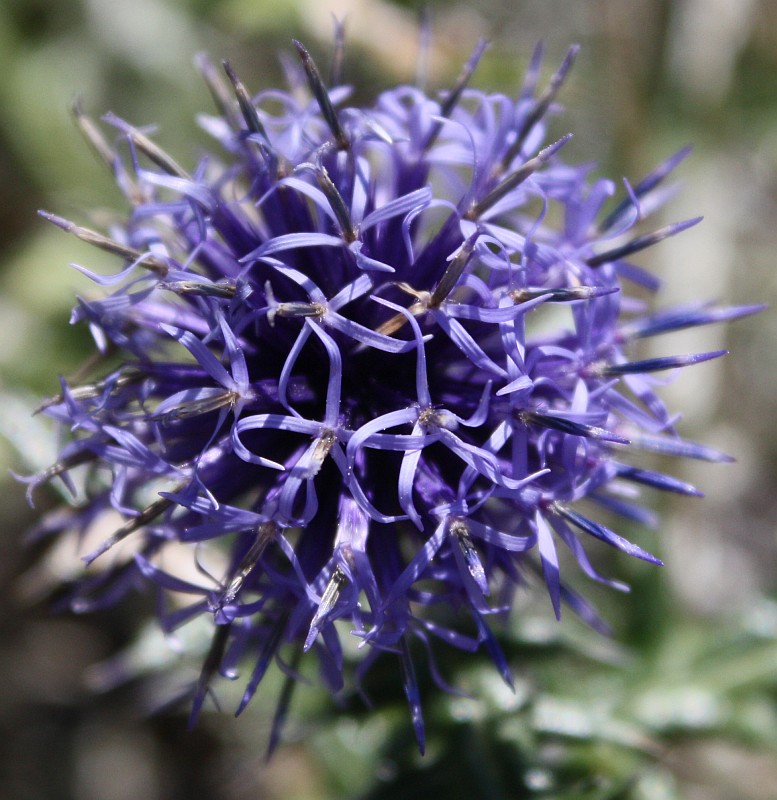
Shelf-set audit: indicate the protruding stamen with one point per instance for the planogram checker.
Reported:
(322, 96)
(561, 295)
(148, 514)
(127, 377)
(434, 299)
(102, 242)
(154, 152)
(62, 466)
(431, 418)
(460, 533)
(642, 242)
(565, 425)
(247, 108)
(223, 289)
(196, 408)
(514, 180)
(393, 324)
(328, 601)
(265, 534)
(337, 204)
(324, 444)
(453, 271)
(295, 310)
(291, 309)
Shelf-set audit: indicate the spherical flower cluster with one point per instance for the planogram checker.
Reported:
(361, 365)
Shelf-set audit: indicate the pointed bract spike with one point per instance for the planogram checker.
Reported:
(410, 685)
(106, 154)
(659, 364)
(566, 294)
(514, 180)
(541, 106)
(464, 78)
(216, 85)
(326, 606)
(460, 533)
(63, 465)
(60, 468)
(569, 426)
(92, 362)
(210, 666)
(454, 95)
(454, 271)
(549, 562)
(642, 242)
(605, 534)
(269, 648)
(107, 244)
(148, 514)
(247, 108)
(282, 709)
(322, 96)
(486, 635)
(153, 151)
(532, 71)
(585, 611)
(674, 446)
(337, 204)
(424, 47)
(265, 534)
(647, 184)
(657, 480)
(655, 177)
(126, 377)
(93, 135)
(60, 222)
(682, 318)
(625, 509)
(338, 54)
(223, 289)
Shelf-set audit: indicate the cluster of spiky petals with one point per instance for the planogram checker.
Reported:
(362, 365)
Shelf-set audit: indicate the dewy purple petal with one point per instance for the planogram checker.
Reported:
(341, 385)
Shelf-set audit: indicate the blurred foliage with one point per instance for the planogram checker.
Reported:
(681, 702)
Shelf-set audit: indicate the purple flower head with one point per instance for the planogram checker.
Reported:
(367, 362)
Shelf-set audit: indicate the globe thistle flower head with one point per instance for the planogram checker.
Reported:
(358, 371)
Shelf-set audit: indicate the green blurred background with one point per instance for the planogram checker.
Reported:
(682, 702)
